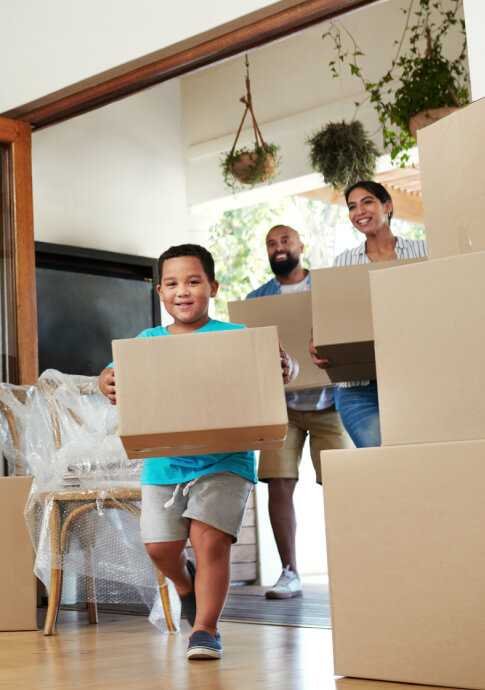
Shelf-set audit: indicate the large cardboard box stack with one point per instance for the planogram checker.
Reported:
(404, 521)
(214, 393)
(18, 588)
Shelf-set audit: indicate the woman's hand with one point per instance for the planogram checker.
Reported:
(321, 363)
(289, 366)
(107, 384)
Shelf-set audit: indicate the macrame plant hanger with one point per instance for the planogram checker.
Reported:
(247, 100)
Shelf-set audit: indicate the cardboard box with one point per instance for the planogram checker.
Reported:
(429, 331)
(451, 154)
(292, 315)
(342, 319)
(406, 562)
(209, 393)
(18, 586)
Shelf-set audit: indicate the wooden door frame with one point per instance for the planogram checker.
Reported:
(269, 24)
(17, 135)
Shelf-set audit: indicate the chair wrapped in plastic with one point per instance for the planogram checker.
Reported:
(83, 510)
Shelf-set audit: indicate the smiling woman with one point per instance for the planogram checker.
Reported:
(370, 211)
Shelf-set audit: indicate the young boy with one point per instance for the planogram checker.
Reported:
(201, 496)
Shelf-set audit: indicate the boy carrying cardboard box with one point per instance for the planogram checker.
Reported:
(199, 496)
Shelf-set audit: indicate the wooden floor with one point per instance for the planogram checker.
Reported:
(126, 652)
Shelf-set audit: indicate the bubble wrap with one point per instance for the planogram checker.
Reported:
(64, 433)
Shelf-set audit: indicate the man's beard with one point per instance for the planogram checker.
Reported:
(282, 268)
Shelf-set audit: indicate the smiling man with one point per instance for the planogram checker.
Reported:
(310, 413)
(284, 253)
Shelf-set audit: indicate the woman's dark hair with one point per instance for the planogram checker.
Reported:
(196, 250)
(374, 188)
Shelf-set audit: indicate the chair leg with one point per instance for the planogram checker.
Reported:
(91, 596)
(92, 612)
(54, 600)
(56, 571)
(164, 595)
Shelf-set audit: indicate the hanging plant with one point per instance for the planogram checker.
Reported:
(421, 84)
(343, 153)
(249, 165)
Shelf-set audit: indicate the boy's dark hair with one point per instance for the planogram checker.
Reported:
(196, 250)
(375, 188)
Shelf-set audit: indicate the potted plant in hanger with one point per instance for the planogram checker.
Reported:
(421, 84)
(249, 165)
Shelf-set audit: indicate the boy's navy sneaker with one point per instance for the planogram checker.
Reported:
(203, 646)
(188, 601)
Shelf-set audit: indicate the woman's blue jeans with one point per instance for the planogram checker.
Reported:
(359, 411)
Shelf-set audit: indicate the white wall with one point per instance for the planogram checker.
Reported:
(475, 21)
(54, 43)
(113, 179)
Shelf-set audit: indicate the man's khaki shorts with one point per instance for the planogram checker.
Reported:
(326, 432)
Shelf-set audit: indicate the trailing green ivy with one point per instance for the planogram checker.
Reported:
(425, 78)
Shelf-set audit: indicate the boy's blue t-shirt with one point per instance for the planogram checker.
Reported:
(177, 470)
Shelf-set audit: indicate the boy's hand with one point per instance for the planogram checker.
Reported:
(107, 384)
(289, 366)
(321, 363)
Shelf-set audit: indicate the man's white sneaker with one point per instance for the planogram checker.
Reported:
(288, 585)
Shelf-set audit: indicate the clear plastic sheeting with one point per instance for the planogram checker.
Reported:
(83, 510)
(14, 403)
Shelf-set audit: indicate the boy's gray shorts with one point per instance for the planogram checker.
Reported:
(218, 499)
